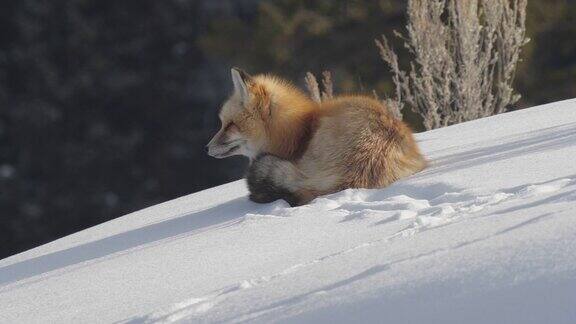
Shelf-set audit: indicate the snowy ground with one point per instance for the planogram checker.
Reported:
(487, 234)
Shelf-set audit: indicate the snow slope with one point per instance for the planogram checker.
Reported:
(487, 234)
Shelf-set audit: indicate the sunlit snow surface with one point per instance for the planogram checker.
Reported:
(487, 234)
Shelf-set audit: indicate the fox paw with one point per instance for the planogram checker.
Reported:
(262, 198)
(265, 184)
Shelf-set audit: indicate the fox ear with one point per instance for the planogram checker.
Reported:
(241, 81)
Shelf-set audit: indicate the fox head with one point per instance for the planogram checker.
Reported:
(264, 114)
(243, 117)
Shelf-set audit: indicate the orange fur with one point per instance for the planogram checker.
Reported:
(318, 148)
(290, 117)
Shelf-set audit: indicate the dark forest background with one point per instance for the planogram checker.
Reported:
(106, 105)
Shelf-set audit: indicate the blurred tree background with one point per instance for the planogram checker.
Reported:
(105, 106)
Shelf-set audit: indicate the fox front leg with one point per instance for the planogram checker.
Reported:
(271, 178)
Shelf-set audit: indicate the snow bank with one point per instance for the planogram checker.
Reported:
(486, 234)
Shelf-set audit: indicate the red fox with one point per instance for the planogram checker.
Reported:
(300, 149)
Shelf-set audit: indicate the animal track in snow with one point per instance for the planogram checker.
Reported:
(177, 311)
(421, 214)
(440, 210)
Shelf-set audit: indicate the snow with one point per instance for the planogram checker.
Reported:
(486, 234)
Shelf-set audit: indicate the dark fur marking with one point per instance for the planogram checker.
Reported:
(308, 131)
(263, 188)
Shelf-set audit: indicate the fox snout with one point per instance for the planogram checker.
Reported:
(222, 146)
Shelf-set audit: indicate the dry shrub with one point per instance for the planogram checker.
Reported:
(464, 59)
(314, 88)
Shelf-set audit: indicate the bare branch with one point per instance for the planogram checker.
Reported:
(312, 87)
(328, 92)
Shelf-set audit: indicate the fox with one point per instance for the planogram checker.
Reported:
(300, 149)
